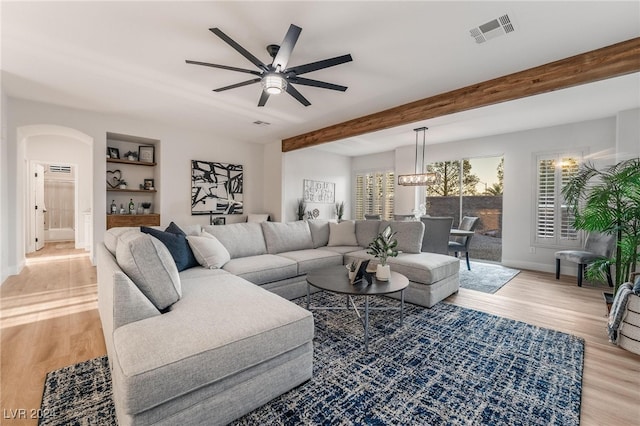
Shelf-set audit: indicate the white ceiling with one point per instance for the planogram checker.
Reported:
(127, 58)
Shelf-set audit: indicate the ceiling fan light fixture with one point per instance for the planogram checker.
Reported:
(274, 84)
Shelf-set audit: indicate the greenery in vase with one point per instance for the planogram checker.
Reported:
(301, 208)
(608, 201)
(340, 210)
(384, 245)
(146, 205)
(131, 154)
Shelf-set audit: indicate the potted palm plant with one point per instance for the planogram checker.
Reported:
(608, 201)
(382, 247)
(301, 208)
(340, 210)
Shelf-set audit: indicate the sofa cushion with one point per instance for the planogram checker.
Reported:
(319, 232)
(423, 268)
(342, 233)
(112, 235)
(240, 239)
(147, 261)
(408, 233)
(308, 260)
(177, 244)
(263, 268)
(208, 251)
(129, 303)
(252, 326)
(281, 237)
(341, 249)
(367, 231)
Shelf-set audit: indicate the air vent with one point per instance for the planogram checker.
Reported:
(492, 29)
(56, 168)
(261, 123)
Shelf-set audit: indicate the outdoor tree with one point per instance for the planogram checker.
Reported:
(449, 172)
(497, 188)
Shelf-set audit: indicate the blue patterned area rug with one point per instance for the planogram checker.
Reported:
(485, 277)
(443, 366)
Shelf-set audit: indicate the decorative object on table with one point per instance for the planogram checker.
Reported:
(113, 178)
(318, 192)
(113, 153)
(149, 184)
(113, 209)
(216, 188)
(340, 210)
(122, 184)
(421, 177)
(315, 213)
(428, 341)
(219, 221)
(146, 153)
(357, 270)
(146, 207)
(131, 156)
(383, 247)
(608, 201)
(352, 268)
(420, 211)
(277, 78)
(301, 208)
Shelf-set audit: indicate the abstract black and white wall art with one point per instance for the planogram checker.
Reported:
(319, 192)
(216, 188)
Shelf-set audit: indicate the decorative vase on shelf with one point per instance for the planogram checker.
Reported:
(131, 158)
(123, 186)
(383, 272)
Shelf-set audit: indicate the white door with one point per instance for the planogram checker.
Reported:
(38, 207)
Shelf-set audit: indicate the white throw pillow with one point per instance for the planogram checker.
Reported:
(208, 250)
(342, 234)
(252, 217)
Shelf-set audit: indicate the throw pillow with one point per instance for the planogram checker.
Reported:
(342, 233)
(636, 285)
(319, 232)
(150, 266)
(283, 237)
(177, 244)
(209, 252)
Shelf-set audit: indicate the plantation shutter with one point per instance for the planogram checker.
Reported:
(554, 221)
(374, 194)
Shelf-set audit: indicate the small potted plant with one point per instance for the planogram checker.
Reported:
(122, 184)
(382, 247)
(146, 206)
(301, 209)
(131, 155)
(340, 210)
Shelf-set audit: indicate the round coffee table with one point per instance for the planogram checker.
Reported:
(335, 279)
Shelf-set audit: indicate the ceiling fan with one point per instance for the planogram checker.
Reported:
(276, 77)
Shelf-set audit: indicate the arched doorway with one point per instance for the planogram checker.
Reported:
(62, 146)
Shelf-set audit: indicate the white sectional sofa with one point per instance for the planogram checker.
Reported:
(206, 346)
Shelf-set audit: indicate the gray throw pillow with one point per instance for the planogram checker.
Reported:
(367, 231)
(283, 237)
(342, 234)
(409, 235)
(148, 263)
(319, 232)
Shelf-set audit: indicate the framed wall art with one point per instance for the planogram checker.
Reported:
(216, 188)
(315, 191)
(146, 153)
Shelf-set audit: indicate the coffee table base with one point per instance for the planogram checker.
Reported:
(364, 321)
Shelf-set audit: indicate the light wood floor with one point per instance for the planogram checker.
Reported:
(48, 320)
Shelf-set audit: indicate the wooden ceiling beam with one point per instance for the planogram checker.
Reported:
(611, 61)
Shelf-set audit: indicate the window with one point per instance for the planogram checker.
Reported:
(374, 194)
(554, 221)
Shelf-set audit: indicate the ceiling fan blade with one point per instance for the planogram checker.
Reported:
(293, 92)
(224, 67)
(314, 66)
(316, 83)
(255, 61)
(289, 42)
(263, 98)
(233, 86)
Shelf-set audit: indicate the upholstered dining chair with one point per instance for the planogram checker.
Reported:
(372, 217)
(436, 234)
(461, 244)
(596, 246)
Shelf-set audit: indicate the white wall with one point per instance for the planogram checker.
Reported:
(67, 150)
(315, 165)
(628, 134)
(4, 174)
(178, 147)
(273, 181)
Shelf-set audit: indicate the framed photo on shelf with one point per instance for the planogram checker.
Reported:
(113, 152)
(146, 153)
(148, 184)
(220, 221)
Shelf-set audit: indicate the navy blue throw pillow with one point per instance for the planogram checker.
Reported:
(177, 245)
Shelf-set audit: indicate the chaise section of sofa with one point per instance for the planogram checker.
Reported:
(224, 348)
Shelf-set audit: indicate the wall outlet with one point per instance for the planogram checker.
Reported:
(532, 249)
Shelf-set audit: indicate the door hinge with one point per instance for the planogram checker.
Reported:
(36, 174)
(36, 207)
(36, 240)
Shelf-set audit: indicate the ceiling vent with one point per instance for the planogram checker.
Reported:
(56, 168)
(261, 123)
(492, 29)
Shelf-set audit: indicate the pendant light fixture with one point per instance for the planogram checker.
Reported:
(420, 177)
